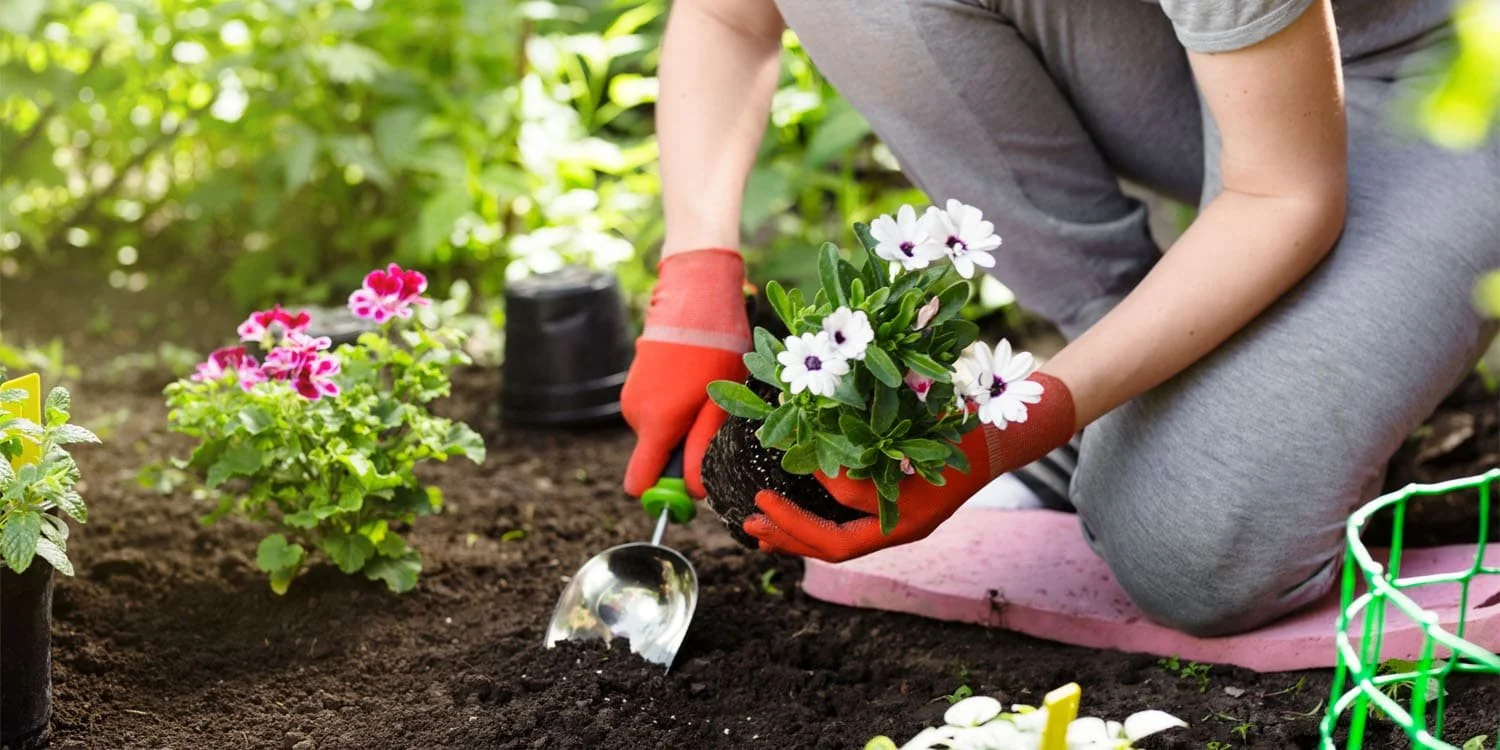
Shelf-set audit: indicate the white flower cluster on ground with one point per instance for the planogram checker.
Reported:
(980, 723)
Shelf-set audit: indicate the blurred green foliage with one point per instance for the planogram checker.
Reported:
(284, 147)
(1461, 111)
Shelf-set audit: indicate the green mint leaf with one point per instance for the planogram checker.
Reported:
(18, 541)
(923, 450)
(13, 395)
(348, 551)
(887, 406)
(68, 434)
(828, 273)
(256, 420)
(275, 554)
(880, 365)
(801, 459)
(738, 400)
(59, 398)
(399, 574)
(71, 503)
(925, 365)
(55, 556)
(781, 304)
(763, 367)
(780, 427)
(7, 474)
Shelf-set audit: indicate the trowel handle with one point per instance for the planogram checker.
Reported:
(670, 493)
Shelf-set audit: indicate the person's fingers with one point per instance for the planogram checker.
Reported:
(859, 494)
(773, 539)
(647, 461)
(709, 420)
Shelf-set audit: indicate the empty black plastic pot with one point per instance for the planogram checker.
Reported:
(568, 346)
(25, 656)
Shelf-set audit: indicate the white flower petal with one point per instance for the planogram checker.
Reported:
(931, 738)
(971, 712)
(1147, 723)
(1019, 366)
(1026, 391)
(1030, 721)
(1086, 731)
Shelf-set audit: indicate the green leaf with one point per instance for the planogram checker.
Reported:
(59, 399)
(738, 400)
(828, 462)
(880, 365)
(7, 474)
(952, 301)
(256, 420)
(300, 156)
(400, 574)
(302, 519)
(441, 211)
(918, 280)
(359, 465)
(925, 365)
(71, 503)
(887, 491)
(840, 450)
(392, 545)
(801, 459)
(281, 579)
(240, 460)
(958, 459)
(828, 272)
(462, 440)
(858, 432)
(763, 368)
(275, 554)
(396, 135)
(766, 344)
(13, 395)
(857, 292)
(841, 130)
(780, 303)
(54, 555)
(780, 427)
(964, 333)
(923, 449)
(846, 392)
(887, 406)
(18, 541)
(71, 433)
(348, 551)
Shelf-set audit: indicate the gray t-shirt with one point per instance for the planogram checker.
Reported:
(1364, 26)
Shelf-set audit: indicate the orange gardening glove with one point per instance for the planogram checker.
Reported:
(695, 332)
(783, 527)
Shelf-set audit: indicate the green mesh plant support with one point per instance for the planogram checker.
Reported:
(1411, 694)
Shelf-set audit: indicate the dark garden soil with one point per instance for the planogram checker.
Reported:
(170, 638)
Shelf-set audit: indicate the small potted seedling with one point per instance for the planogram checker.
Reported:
(37, 481)
(874, 380)
(320, 443)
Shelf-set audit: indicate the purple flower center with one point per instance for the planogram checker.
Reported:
(997, 388)
(838, 337)
(813, 364)
(906, 249)
(957, 245)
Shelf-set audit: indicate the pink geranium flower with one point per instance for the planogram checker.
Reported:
(388, 294)
(314, 381)
(259, 324)
(230, 359)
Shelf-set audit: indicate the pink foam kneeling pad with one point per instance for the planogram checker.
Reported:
(1044, 581)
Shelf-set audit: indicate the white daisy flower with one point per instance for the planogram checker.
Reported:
(849, 331)
(965, 235)
(903, 240)
(810, 363)
(996, 382)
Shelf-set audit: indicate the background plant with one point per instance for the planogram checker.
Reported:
(30, 494)
(328, 465)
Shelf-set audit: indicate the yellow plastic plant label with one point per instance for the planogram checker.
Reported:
(27, 408)
(1062, 709)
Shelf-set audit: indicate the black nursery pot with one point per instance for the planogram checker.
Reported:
(567, 349)
(737, 467)
(25, 656)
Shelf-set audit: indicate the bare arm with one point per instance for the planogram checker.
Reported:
(1280, 110)
(719, 64)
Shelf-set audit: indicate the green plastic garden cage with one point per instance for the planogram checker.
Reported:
(1361, 687)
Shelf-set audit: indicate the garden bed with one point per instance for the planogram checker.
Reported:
(169, 636)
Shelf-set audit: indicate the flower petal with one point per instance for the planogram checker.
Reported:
(971, 712)
(1147, 723)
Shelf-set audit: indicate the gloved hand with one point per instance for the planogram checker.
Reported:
(783, 527)
(695, 332)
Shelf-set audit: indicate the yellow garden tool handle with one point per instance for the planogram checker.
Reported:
(1062, 709)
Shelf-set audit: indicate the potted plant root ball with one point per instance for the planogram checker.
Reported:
(37, 477)
(866, 381)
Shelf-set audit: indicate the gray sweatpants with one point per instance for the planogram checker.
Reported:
(1217, 499)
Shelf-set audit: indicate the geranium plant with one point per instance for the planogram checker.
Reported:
(321, 443)
(879, 376)
(32, 493)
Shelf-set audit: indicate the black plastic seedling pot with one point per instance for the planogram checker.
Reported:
(568, 347)
(25, 656)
